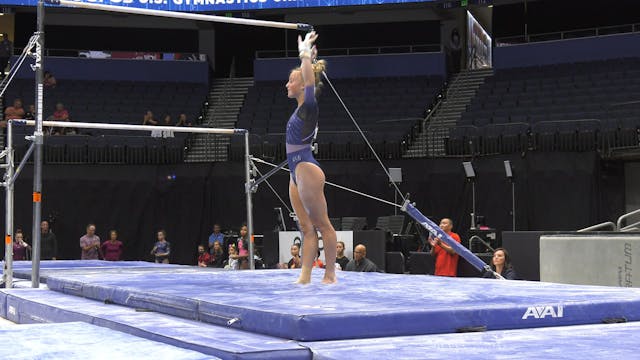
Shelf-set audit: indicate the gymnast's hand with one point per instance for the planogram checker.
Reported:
(304, 46)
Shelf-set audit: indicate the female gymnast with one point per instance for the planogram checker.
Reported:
(306, 188)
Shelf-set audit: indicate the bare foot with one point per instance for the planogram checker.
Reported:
(329, 279)
(303, 281)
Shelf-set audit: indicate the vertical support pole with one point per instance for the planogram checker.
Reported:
(247, 172)
(513, 205)
(38, 139)
(7, 273)
(473, 210)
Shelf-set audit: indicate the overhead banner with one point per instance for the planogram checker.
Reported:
(225, 5)
(288, 238)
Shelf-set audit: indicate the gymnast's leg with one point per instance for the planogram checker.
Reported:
(310, 237)
(310, 179)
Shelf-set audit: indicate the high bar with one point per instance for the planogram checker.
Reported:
(180, 15)
(82, 125)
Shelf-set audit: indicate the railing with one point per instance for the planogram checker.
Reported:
(601, 226)
(571, 34)
(397, 49)
(626, 216)
(106, 54)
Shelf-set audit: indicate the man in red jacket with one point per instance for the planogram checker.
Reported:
(446, 259)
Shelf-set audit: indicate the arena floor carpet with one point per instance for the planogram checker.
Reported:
(262, 314)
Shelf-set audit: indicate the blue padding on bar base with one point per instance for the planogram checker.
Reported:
(81, 341)
(361, 304)
(40, 305)
(608, 341)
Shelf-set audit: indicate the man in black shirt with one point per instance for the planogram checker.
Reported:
(360, 263)
(6, 50)
(48, 241)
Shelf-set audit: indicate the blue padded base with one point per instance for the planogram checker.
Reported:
(612, 341)
(22, 269)
(80, 341)
(361, 305)
(26, 306)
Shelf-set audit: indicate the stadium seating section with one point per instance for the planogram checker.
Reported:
(387, 108)
(113, 102)
(568, 107)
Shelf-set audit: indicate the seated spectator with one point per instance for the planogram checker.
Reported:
(13, 112)
(360, 263)
(112, 249)
(317, 263)
(340, 258)
(217, 256)
(182, 120)
(243, 247)
(167, 122)
(90, 244)
(204, 259)
(31, 114)
(232, 263)
(49, 80)
(20, 247)
(162, 248)
(148, 119)
(295, 262)
(216, 237)
(501, 263)
(61, 114)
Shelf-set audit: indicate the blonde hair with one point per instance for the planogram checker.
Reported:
(318, 68)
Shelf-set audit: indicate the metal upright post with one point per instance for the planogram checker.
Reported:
(248, 190)
(7, 273)
(38, 139)
(513, 205)
(473, 210)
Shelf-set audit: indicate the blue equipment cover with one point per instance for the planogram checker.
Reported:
(81, 341)
(22, 269)
(41, 305)
(604, 341)
(361, 305)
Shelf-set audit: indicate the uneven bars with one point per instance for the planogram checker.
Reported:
(82, 125)
(180, 15)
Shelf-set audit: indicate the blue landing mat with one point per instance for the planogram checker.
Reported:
(40, 305)
(81, 341)
(361, 305)
(22, 269)
(611, 341)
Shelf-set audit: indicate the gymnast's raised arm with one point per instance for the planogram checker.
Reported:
(307, 53)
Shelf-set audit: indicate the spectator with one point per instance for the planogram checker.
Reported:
(31, 114)
(446, 259)
(317, 263)
(233, 262)
(167, 122)
(294, 263)
(6, 50)
(148, 119)
(217, 256)
(182, 120)
(112, 249)
(215, 237)
(243, 247)
(61, 114)
(340, 258)
(501, 263)
(162, 248)
(13, 112)
(90, 244)
(48, 242)
(19, 246)
(204, 259)
(49, 81)
(360, 263)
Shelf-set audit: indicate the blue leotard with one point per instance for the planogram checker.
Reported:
(301, 130)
